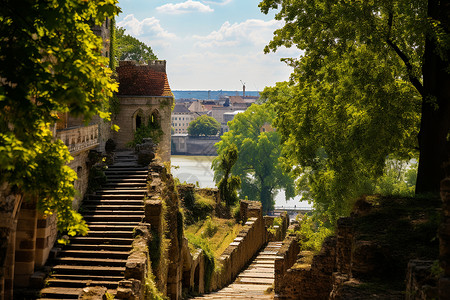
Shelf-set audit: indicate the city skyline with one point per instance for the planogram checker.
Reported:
(209, 45)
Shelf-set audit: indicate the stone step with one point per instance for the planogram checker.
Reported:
(97, 247)
(126, 185)
(95, 254)
(122, 167)
(110, 233)
(116, 197)
(257, 275)
(255, 280)
(121, 217)
(105, 202)
(89, 270)
(129, 176)
(111, 227)
(87, 277)
(121, 191)
(80, 283)
(111, 211)
(126, 180)
(120, 171)
(122, 207)
(91, 261)
(61, 293)
(100, 240)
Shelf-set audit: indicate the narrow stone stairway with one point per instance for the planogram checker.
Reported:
(111, 213)
(253, 282)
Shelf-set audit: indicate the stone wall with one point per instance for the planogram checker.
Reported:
(9, 210)
(287, 258)
(276, 232)
(187, 145)
(248, 242)
(319, 276)
(145, 106)
(444, 241)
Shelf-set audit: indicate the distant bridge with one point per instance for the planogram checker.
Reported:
(291, 210)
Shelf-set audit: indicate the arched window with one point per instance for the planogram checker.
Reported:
(155, 119)
(138, 119)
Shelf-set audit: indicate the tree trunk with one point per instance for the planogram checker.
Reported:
(435, 120)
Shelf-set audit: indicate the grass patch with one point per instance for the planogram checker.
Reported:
(218, 232)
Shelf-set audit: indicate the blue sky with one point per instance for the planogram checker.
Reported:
(209, 45)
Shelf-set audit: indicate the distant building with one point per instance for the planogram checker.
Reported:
(181, 117)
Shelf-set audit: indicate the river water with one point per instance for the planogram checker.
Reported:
(197, 169)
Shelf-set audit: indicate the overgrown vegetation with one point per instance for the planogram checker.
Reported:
(200, 208)
(364, 88)
(151, 130)
(41, 78)
(311, 233)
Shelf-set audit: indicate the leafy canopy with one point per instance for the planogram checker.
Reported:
(228, 184)
(130, 48)
(50, 63)
(203, 125)
(258, 165)
(352, 101)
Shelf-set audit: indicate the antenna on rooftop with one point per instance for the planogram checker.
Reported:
(243, 88)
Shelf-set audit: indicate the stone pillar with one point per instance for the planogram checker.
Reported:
(25, 255)
(9, 266)
(444, 240)
(9, 207)
(45, 237)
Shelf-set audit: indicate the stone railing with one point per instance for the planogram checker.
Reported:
(251, 238)
(79, 138)
(287, 258)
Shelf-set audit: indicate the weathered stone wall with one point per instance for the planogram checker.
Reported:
(276, 232)
(418, 279)
(322, 277)
(9, 209)
(287, 258)
(45, 237)
(248, 242)
(163, 215)
(145, 106)
(306, 280)
(25, 255)
(444, 241)
(79, 165)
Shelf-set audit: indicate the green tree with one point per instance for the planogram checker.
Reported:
(50, 62)
(228, 184)
(130, 48)
(372, 79)
(259, 165)
(203, 125)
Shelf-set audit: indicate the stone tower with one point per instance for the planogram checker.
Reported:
(145, 98)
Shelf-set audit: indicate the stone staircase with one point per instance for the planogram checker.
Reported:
(112, 212)
(253, 282)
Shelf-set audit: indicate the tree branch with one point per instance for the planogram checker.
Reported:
(409, 68)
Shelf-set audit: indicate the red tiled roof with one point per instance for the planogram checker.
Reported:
(142, 80)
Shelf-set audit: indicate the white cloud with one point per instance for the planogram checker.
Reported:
(250, 32)
(148, 26)
(184, 7)
(224, 2)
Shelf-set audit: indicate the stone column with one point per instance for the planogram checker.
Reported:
(444, 240)
(25, 243)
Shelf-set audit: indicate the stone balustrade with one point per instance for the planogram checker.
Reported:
(247, 243)
(79, 138)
